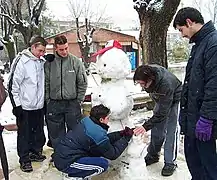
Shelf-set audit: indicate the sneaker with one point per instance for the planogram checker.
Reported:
(67, 177)
(151, 159)
(37, 157)
(168, 169)
(26, 167)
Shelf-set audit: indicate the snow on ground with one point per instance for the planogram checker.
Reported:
(130, 166)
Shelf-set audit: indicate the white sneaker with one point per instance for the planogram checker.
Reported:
(66, 177)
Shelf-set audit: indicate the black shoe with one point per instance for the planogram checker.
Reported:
(168, 169)
(151, 159)
(37, 157)
(26, 167)
(49, 144)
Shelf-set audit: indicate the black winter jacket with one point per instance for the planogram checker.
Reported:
(88, 139)
(165, 91)
(199, 94)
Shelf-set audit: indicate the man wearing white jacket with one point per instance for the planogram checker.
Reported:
(26, 92)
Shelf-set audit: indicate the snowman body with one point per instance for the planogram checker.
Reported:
(113, 67)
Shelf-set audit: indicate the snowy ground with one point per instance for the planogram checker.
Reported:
(130, 166)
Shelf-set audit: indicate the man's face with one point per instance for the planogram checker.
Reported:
(62, 50)
(144, 84)
(38, 50)
(187, 30)
(105, 120)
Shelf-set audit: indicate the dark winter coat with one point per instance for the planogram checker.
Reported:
(88, 139)
(165, 91)
(199, 95)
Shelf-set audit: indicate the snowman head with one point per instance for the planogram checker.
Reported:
(112, 62)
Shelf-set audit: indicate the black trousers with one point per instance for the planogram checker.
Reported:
(30, 133)
(201, 158)
(61, 116)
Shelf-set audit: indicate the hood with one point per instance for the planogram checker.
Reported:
(29, 56)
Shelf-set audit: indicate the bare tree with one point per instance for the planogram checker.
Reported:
(86, 42)
(7, 30)
(84, 10)
(25, 20)
(155, 17)
(208, 7)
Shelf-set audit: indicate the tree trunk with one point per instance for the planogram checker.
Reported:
(11, 51)
(154, 25)
(153, 41)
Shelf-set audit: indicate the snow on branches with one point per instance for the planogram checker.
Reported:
(148, 4)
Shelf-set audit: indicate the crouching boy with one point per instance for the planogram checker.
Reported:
(82, 153)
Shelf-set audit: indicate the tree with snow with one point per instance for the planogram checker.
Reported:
(83, 9)
(25, 20)
(155, 17)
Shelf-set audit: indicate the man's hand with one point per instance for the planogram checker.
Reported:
(126, 132)
(49, 57)
(17, 111)
(139, 130)
(203, 130)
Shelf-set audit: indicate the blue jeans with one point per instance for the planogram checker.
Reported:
(87, 167)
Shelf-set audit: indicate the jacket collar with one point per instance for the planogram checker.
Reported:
(29, 56)
(104, 126)
(202, 33)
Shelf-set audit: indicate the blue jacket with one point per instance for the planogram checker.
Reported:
(199, 94)
(88, 139)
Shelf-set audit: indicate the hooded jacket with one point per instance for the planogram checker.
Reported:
(26, 81)
(165, 91)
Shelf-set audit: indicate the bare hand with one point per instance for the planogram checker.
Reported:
(139, 130)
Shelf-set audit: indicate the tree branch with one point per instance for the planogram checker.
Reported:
(12, 21)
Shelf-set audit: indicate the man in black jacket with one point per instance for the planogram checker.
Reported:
(81, 152)
(165, 89)
(198, 114)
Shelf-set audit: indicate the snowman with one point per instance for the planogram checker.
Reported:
(113, 66)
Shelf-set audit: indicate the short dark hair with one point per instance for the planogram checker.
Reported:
(144, 73)
(60, 40)
(37, 40)
(187, 13)
(99, 111)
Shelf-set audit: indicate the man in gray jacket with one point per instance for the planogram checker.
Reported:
(26, 92)
(65, 87)
(165, 90)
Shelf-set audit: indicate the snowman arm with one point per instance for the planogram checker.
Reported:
(114, 136)
(161, 109)
(81, 81)
(113, 151)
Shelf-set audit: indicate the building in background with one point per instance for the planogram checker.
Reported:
(100, 37)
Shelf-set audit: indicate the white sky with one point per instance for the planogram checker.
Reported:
(121, 11)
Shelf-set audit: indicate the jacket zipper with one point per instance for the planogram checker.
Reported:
(61, 79)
